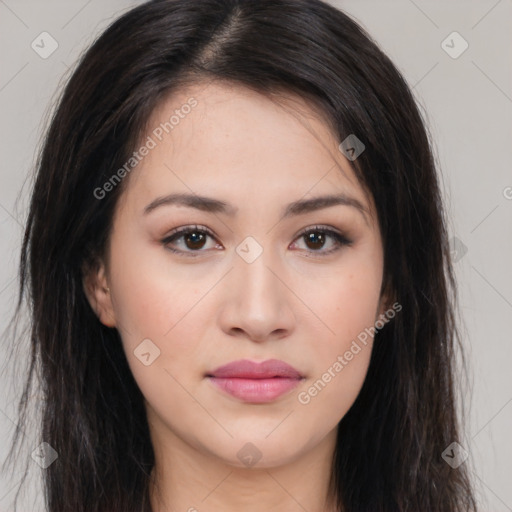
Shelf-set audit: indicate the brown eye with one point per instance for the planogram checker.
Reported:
(318, 237)
(315, 240)
(193, 240)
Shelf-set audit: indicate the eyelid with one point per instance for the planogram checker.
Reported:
(325, 229)
(187, 229)
(182, 230)
(341, 239)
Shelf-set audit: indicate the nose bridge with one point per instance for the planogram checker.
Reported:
(252, 268)
(257, 301)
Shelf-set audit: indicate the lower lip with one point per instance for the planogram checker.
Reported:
(256, 390)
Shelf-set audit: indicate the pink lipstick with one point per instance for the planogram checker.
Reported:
(256, 382)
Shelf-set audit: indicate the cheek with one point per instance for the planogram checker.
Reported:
(348, 301)
(356, 305)
(151, 294)
(347, 307)
(341, 359)
(149, 304)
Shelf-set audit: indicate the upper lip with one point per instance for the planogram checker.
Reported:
(245, 369)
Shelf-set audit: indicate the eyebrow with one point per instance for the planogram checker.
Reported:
(300, 207)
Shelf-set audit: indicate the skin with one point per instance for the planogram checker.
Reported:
(295, 302)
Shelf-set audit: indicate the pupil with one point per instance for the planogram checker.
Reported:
(196, 240)
(193, 237)
(319, 239)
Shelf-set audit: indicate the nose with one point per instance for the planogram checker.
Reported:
(259, 302)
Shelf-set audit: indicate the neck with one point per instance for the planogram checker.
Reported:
(189, 479)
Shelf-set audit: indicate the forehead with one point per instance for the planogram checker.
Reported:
(228, 141)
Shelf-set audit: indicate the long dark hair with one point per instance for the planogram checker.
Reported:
(390, 443)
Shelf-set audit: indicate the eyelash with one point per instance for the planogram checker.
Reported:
(341, 240)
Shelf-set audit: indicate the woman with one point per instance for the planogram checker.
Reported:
(238, 268)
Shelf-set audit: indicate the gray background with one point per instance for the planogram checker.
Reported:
(467, 102)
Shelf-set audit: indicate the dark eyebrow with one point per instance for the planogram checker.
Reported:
(300, 207)
(318, 203)
(206, 204)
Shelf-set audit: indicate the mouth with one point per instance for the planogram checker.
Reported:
(253, 382)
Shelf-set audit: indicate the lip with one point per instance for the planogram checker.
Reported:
(254, 382)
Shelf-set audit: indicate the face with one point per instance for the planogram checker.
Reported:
(261, 270)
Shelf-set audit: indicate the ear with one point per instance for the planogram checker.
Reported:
(96, 289)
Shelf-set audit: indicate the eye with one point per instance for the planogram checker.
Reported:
(315, 239)
(194, 238)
